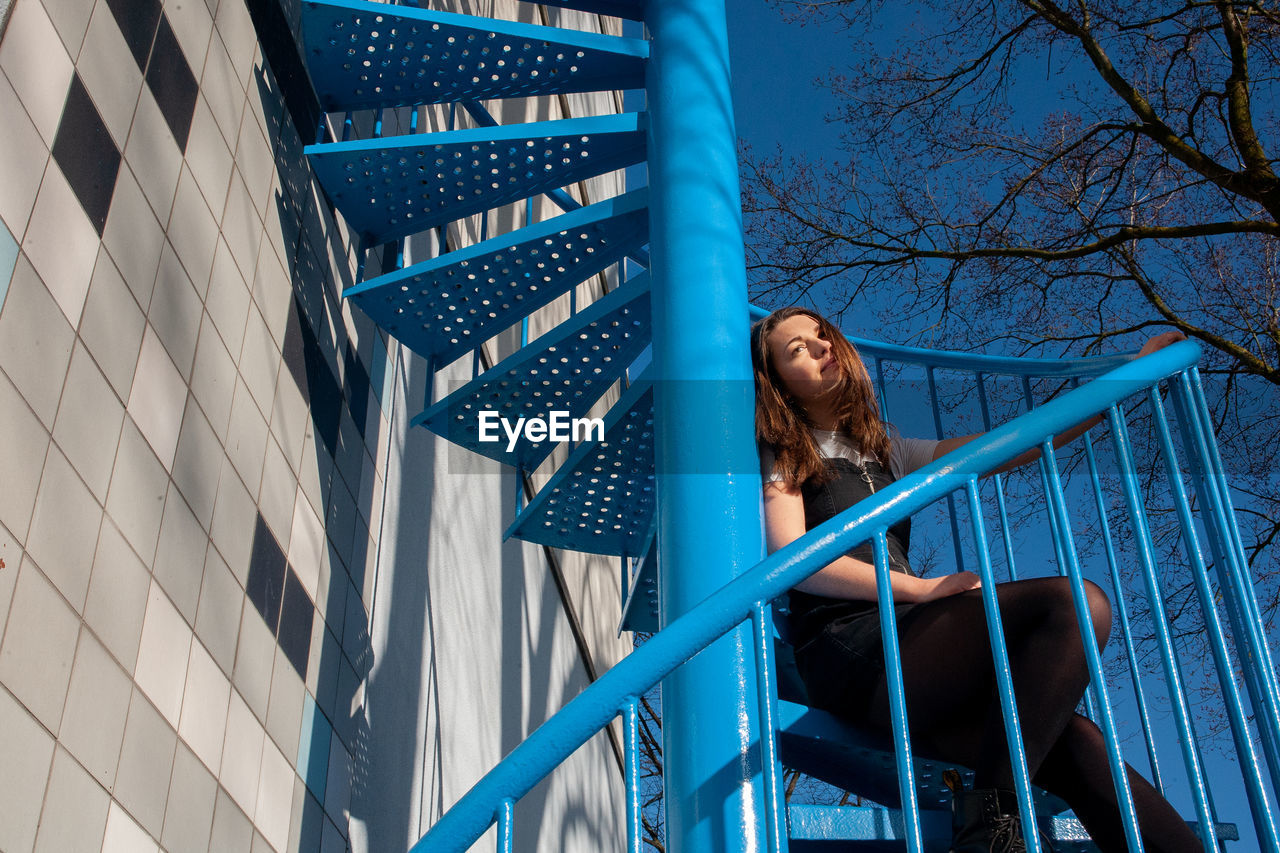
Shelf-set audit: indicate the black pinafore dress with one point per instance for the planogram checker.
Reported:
(839, 648)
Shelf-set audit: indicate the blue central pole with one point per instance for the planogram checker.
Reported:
(707, 471)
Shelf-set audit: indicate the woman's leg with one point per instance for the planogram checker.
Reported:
(1076, 769)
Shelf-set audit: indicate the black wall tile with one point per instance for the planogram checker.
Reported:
(137, 21)
(357, 389)
(86, 154)
(295, 624)
(267, 566)
(171, 81)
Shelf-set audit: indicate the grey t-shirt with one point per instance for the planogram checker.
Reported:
(905, 454)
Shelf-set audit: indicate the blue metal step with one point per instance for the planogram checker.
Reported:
(389, 188)
(363, 55)
(450, 304)
(566, 370)
(601, 499)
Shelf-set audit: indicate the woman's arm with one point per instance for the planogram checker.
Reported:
(846, 577)
(947, 445)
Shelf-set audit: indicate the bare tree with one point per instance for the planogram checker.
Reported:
(1050, 179)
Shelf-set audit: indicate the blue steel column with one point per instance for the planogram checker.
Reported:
(708, 479)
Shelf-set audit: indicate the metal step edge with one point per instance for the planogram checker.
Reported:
(476, 311)
(363, 55)
(543, 521)
(507, 386)
(395, 186)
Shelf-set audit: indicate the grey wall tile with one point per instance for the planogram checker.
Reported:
(146, 764)
(75, 809)
(64, 529)
(180, 553)
(234, 517)
(133, 236)
(163, 654)
(193, 230)
(175, 307)
(27, 752)
(22, 455)
(34, 59)
(87, 428)
(112, 325)
(231, 828)
(158, 397)
(218, 617)
(188, 820)
(62, 244)
(39, 646)
(204, 709)
(209, 157)
(23, 165)
(135, 500)
(197, 464)
(117, 599)
(153, 154)
(109, 73)
(97, 707)
(35, 341)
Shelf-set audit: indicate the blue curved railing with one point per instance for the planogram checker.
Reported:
(616, 692)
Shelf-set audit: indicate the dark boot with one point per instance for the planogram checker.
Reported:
(986, 821)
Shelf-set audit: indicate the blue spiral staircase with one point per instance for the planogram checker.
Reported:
(373, 58)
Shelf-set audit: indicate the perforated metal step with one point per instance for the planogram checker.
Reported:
(388, 188)
(363, 55)
(564, 371)
(601, 499)
(448, 305)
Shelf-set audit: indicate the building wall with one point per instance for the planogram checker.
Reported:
(242, 605)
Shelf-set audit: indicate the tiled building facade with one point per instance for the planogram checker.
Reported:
(243, 606)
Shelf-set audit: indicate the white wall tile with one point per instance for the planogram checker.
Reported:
(209, 156)
(218, 617)
(88, 424)
(163, 654)
(179, 562)
(246, 438)
(255, 655)
(97, 707)
(193, 230)
(273, 294)
(23, 165)
(146, 764)
(235, 27)
(158, 398)
(275, 797)
(223, 91)
(227, 300)
(284, 716)
(204, 708)
(189, 816)
(176, 310)
(242, 225)
(64, 529)
(35, 341)
(231, 828)
(39, 646)
(197, 465)
(75, 809)
(213, 378)
(112, 325)
(62, 244)
(279, 487)
(11, 558)
(234, 517)
(192, 24)
(255, 162)
(242, 754)
(26, 753)
(33, 58)
(153, 154)
(135, 499)
(22, 455)
(109, 73)
(289, 418)
(306, 545)
(70, 17)
(260, 360)
(133, 236)
(123, 834)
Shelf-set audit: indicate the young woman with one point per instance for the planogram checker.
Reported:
(823, 448)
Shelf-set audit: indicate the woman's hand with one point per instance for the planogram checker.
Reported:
(1160, 342)
(935, 588)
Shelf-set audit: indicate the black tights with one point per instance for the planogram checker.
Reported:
(954, 711)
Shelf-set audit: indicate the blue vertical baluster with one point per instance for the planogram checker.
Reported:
(1102, 714)
(1234, 585)
(767, 694)
(1263, 821)
(1160, 623)
(951, 501)
(1042, 464)
(1006, 530)
(506, 825)
(1004, 678)
(897, 697)
(884, 397)
(631, 770)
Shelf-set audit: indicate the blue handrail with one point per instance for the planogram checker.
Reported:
(596, 706)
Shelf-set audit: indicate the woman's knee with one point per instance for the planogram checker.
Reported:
(1099, 611)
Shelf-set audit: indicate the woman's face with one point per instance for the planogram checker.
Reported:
(803, 359)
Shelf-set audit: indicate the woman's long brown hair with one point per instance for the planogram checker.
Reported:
(782, 423)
